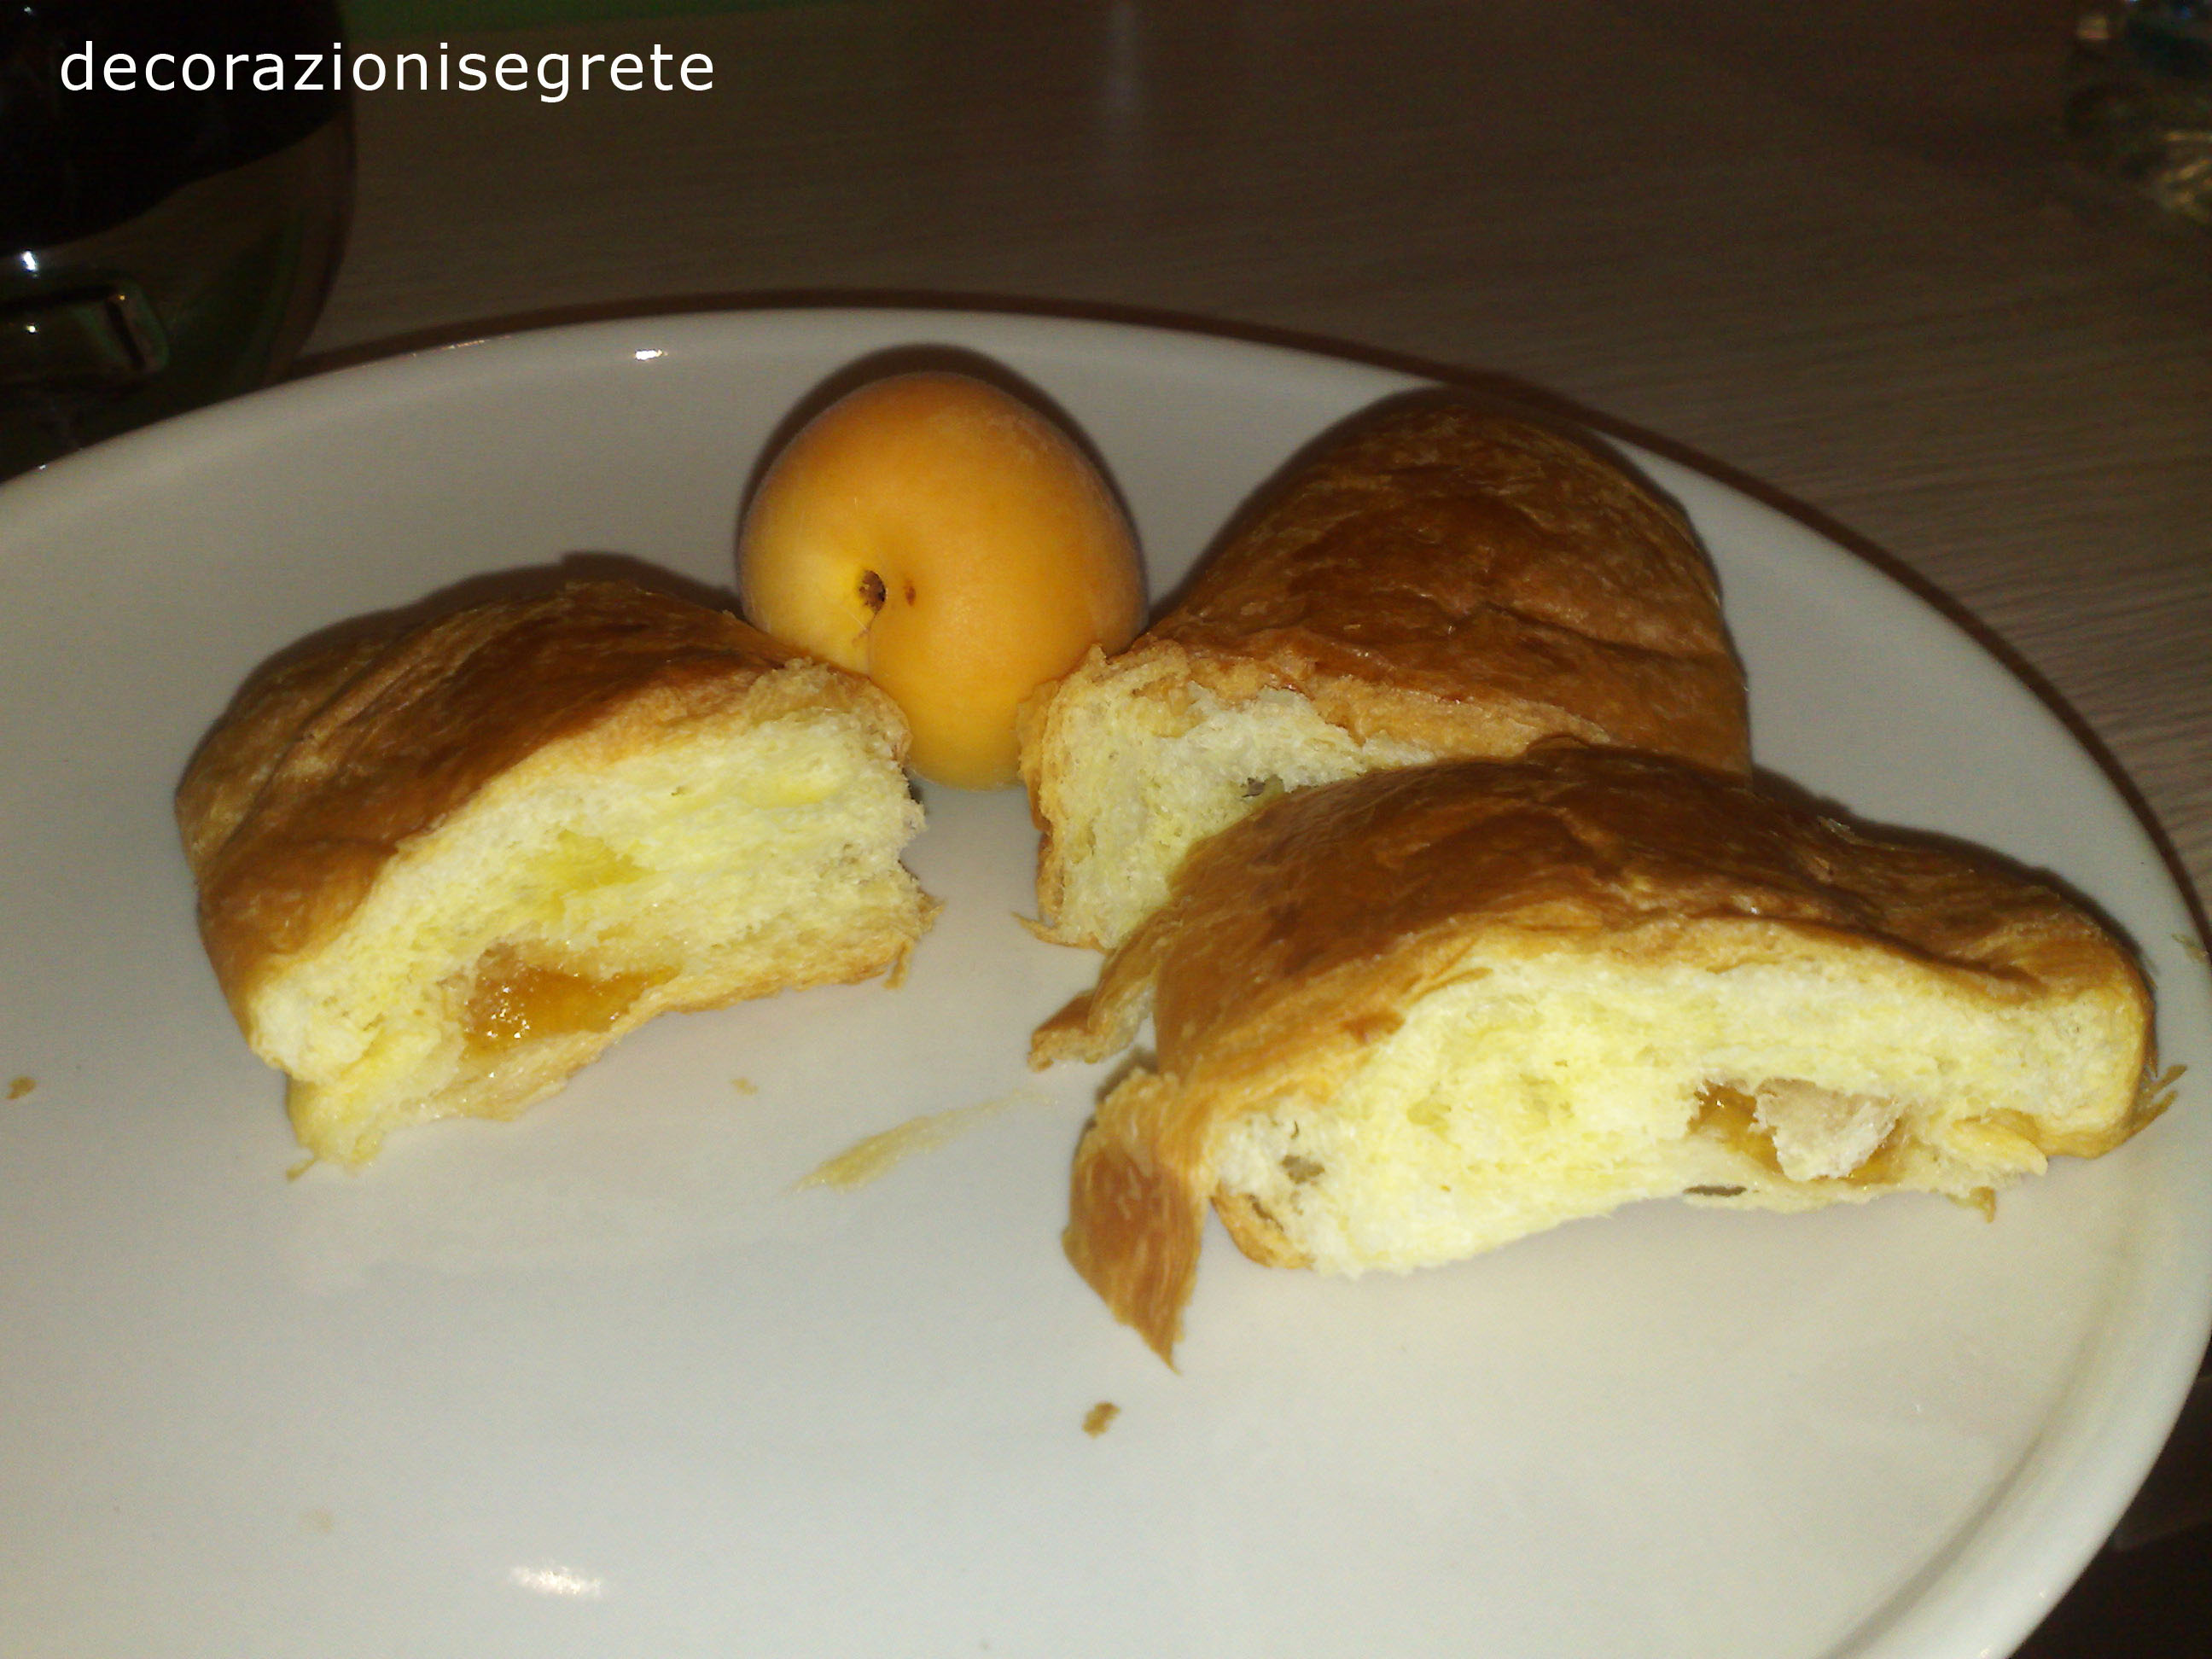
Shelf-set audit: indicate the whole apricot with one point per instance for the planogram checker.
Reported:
(950, 542)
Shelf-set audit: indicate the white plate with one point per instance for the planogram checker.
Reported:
(601, 1382)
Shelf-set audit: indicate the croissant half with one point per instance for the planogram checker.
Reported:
(440, 868)
(1441, 581)
(1412, 1016)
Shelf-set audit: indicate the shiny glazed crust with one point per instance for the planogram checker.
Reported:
(1476, 560)
(1465, 581)
(1302, 935)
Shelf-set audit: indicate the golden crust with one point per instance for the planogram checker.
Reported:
(1449, 577)
(1296, 937)
(1487, 566)
(328, 762)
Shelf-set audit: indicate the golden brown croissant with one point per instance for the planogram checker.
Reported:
(1443, 581)
(442, 868)
(1409, 1016)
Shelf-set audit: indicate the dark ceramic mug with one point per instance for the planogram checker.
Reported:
(169, 229)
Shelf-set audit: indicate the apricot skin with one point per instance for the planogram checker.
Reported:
(952, 543)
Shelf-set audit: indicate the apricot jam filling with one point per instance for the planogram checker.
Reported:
(1729, 1115)
(515, 998)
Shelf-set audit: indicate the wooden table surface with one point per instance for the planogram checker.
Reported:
(1828, 251)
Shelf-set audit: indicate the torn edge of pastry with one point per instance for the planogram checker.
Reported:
(1443, 580)
(1413, 1016)
(443, 866)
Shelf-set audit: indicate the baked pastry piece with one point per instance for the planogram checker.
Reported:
(440, 869)
(1444, 582)
(1406, 1018)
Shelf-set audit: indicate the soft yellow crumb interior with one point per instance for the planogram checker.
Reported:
(569, 892)
(1160, 773)
(1539, 1089)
